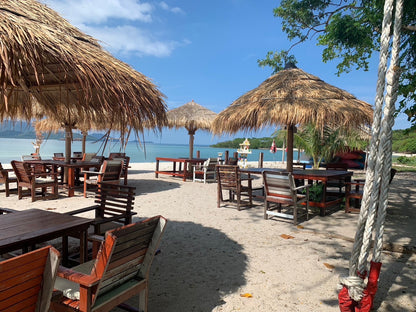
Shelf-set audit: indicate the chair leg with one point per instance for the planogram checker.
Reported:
(266, 207)
(33, 193)
(238, 201)
(295, 213)
(19, 192)
(6, 188)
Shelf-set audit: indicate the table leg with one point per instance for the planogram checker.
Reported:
(71, 181)
(65, 250)
(157, 168)
(323, 209)
(83, 246)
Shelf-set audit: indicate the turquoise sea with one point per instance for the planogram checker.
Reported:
(13, 149)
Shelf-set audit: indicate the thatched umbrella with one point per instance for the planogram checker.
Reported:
(289, 98)
(192, 116)
(46, 61)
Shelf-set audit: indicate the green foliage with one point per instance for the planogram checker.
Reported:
(324, 144)
(404, 160)
(315, 192)
(404, 141)
(349, 31)
(255, 143)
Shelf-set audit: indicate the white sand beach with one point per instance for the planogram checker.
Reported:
(221, 259)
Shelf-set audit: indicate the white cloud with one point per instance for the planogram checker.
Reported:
(100, 11)
(166, 7)
(93, 17)
(129, 39)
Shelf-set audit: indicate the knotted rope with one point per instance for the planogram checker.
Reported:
(375, 197)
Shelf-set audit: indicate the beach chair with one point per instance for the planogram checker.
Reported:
(229, 179)
(6, 179)
(110, 172)
(280, 189)
(120, 270)
(339, 185)
(26, 178)
(206, 171)
(126, 164)
(26, 281)
(116, 155)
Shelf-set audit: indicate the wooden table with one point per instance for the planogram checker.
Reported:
(314, 175)
(23, 229)
(185, 173)
(72, 167)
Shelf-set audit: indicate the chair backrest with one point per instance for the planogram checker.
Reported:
(22, 171)
(58, 154)
(337, 166)
(114, 199)
(116, 155)
(31, 157)
(280, 185)
(77, 154)
(88, 156)
(27, 281)
(228, 176)
(3, 174)
(111, 169)
(127, 252)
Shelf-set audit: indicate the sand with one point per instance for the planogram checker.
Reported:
(221, 259)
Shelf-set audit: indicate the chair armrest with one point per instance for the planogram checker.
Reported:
(77, 277)
(306, 186)
(91, 172)
(81, 210)
(96, 238)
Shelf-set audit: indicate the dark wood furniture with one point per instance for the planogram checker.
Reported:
(120, 271)
(206, 171)
(114, 205)
(24, 229)
(315, 175)
(229, 179)
(26, 178)
(126, 164)
(178, 172)
(110, 172)
(27, 280)
(280, 189)
(6, 179)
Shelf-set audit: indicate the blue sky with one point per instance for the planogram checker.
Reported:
(205, 51)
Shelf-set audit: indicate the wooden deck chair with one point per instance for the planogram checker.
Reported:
(126, 164)
(26, 281)
(279, 188)
(229, 179)
(339, 185)
(110, 172)
(7, 179)
(26, 178)
(120, 271)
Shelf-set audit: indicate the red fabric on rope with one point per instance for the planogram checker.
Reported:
(366, 302)
(346, 304)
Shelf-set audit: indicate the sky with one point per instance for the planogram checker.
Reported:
(205, 51)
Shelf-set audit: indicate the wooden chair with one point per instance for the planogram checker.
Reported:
(26, 281)
(280, 188)
(6, 179)
(116, 155)
(31, 180)
(229, 179)
(88, 156)
(77, 155)
(126, 163)
(110, 172)
(114, 205)
(206, 171)
(120, 271)
(339, 185)
(355, 190)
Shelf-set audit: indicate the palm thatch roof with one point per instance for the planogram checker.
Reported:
(191, 116)
(46, 60)
(293, 97)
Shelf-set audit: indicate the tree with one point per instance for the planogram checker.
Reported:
(350, 31)
(324, 144)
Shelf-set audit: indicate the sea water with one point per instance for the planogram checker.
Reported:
(13, 149)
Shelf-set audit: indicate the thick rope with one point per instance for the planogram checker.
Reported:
(370, 197)
(386, 135)
(365, 203)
